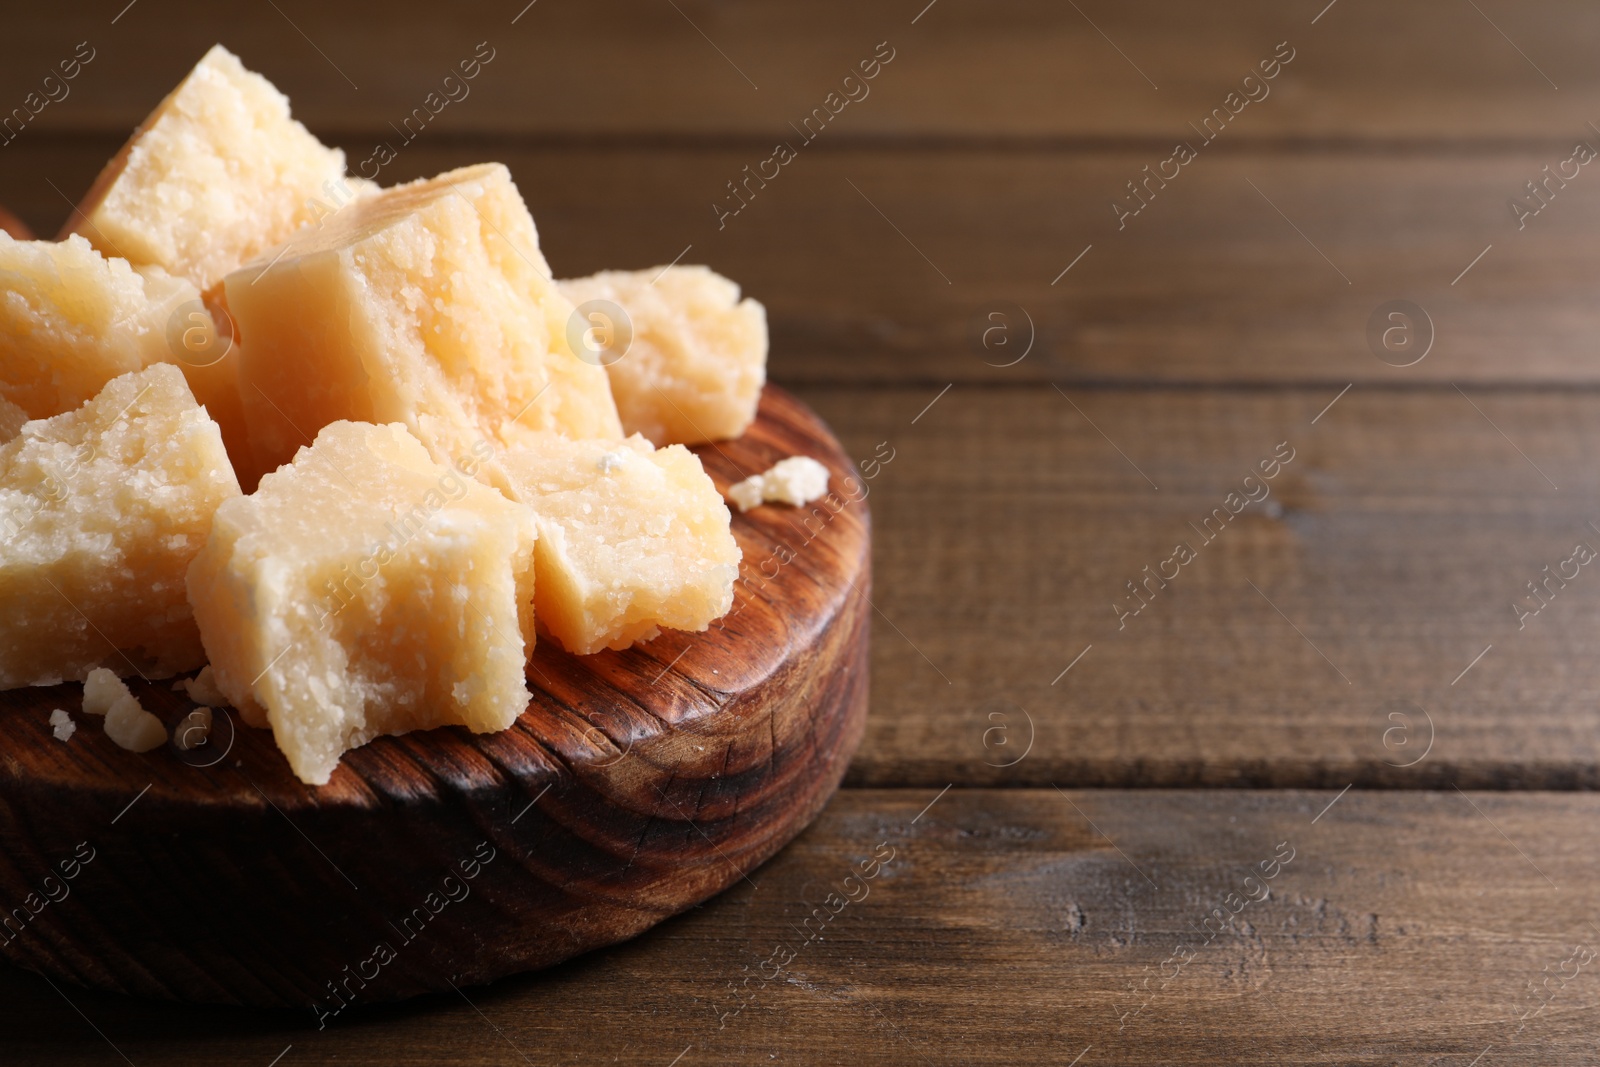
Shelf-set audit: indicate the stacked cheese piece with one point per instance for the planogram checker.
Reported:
(434, 457)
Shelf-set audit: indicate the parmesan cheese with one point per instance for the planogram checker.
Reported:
(126, 722)
(101, 689)
(427, 304)
(61, 725)
(217, 173)
(797, 480)
(695, 357)
(631, 540)
(202, 689)
(72, 320)
(102, 509)
(365, 590)
(131, 727)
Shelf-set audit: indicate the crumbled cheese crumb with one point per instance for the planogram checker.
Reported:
(797, 480)
(101, 690)
(64, 726)
(747, 494)
(194, 730)
(133, 728)
(609, 462)
(202, 689)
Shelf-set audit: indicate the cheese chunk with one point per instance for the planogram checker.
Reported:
(215, 175)
(365, 590)
(202, 336)
(630, 539)
(12, 419)
(427, 304)
(695, 356)
(202, 689)
(131, 727)
(71, 320)
(61, 725)
(796, 481)
(101, 511)
(101, 689)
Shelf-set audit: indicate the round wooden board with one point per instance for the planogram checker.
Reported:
(636, 785)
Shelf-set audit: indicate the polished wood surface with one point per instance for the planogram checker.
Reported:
(1209, 285)
(1397, 543)
(1018, 926)
(1434, 71)
(1355, 628)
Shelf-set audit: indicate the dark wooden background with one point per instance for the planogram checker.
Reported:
(1356, 629)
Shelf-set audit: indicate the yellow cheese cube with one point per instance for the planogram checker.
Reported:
(427, 304)
(101, 511)
(365, 590)
(216, 174)
(630, 539)
(71, 320)
(696, 355)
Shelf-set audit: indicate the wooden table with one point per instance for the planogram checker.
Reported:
(1346, 687)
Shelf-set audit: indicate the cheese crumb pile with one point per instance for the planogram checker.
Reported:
(202, 689)
(127, 723)
(102, 689)
(797, 480)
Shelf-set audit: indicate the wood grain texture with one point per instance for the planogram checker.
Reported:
(1017, 925)
(1209, 284)
(1396, 541)
(1007, 929)
(636, 785)
(1435, 70)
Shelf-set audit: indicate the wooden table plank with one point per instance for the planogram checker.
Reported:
(1019, 926)
(1358, 627)
(1395, 544)
(1435, 70)
(1401, 565)
(1209, 284)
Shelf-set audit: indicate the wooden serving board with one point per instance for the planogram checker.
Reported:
(636, 785)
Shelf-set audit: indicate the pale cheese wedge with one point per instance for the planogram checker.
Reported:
(102, 510)
(427, 304)
(365, 590)
(72, 319)
(689, 358)
(631, 539)
(216, 174)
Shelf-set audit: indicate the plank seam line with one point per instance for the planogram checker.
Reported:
(892, 143)
(1183, 385)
